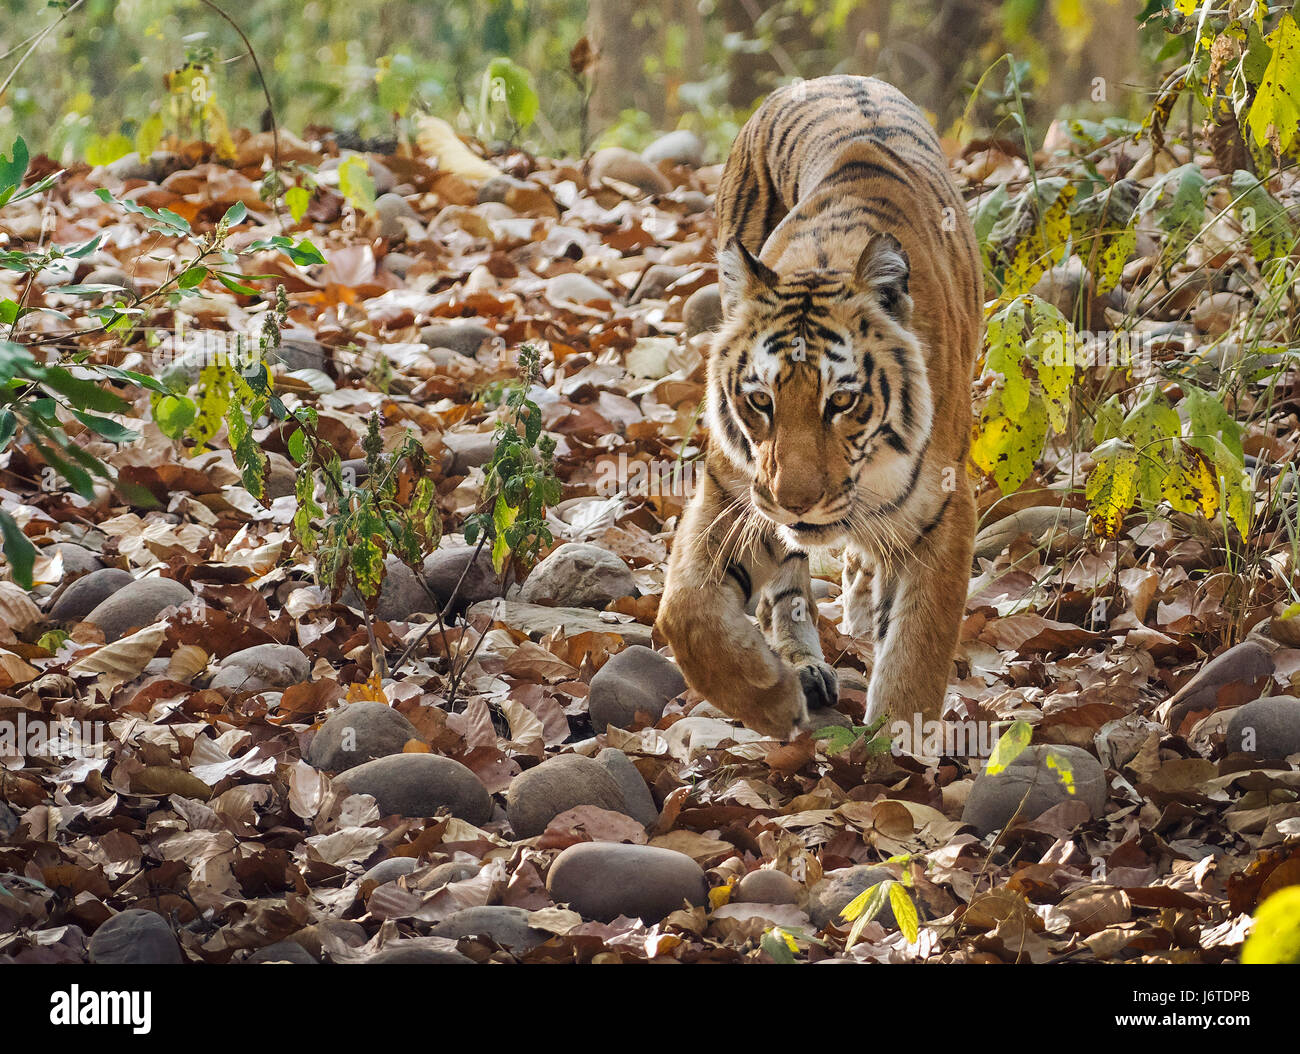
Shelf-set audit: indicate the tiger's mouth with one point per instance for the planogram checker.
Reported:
(802, 532)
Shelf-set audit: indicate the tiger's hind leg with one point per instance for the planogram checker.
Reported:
(919, 608)
(787, 611)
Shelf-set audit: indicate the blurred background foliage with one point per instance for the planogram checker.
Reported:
(113, 74)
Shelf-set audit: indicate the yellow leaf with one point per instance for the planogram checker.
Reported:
(367, 691)
(1112, 487)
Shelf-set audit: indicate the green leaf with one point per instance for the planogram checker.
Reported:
(1178, 200)
(235, 214)
(12, 169)
(231, 281)
(191, 277)
(1010, 746)
(298, 446)
(81, 394)
(174, 414)
(779, 945)
(108, 428)
(505, 82)
(1263, 218)
(19, 551)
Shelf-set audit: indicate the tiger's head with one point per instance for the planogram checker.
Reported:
(818, 389)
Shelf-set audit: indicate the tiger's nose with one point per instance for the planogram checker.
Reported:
(797, 497)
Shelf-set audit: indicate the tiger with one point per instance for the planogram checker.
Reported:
(838, 412)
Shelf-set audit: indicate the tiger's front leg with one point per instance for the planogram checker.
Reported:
(717, 562)
(787, 612)
(919, 605)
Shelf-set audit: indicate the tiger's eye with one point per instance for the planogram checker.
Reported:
(760, 401)
(842, 400)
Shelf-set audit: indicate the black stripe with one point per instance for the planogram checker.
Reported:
(936, 521)
(741, 577)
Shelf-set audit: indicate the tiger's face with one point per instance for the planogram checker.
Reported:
(818, 390)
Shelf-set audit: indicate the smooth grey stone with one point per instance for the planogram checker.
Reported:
(637, 679)
(504, 925)
(419, 785)
(357, 733)
(579, 574)
(81, 597)
(537, 796)
(1266, 728)
(135, 937)
(993, 800)
(136, 604)
(262, 668)
(640, 802)
(603, 880)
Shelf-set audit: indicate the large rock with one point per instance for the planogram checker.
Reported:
(537, 620)
(1037, 521)
(1266, 728)
(413, 953)
(640, 802)
(390, 211)
(766, 886)
(137, 604)
(81, 597)
(357, 733)
(682, 147)
(506, 926)
(443, 570)
(1068, 287)
(637, 679)
(77, 559)
(603, 880)
(391, 870)
(468, 338)
(467, 450)
(993, 800)
(581, 575)
(299, 350)
(619, 163)
(135, 938)
(837, 889)
(262, 668)
(283, 952)
(577, 288)
(420, 785)
(539, 795)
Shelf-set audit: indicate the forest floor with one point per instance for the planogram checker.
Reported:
(213, 801)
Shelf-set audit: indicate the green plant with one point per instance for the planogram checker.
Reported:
(38, 395)
(519, 481)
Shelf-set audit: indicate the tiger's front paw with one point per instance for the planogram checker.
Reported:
(820, 684)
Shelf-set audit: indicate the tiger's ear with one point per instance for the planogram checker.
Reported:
(883, 270)
(741, 275)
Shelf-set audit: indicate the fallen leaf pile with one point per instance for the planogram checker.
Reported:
(215, 805)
